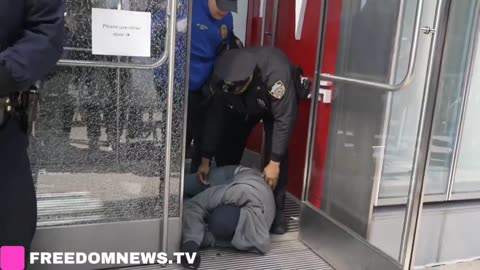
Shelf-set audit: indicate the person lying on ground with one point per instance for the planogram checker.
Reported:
(236, 210)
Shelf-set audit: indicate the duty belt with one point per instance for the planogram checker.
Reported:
(21, 106)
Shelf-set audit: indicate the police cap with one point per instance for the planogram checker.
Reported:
(235, 65)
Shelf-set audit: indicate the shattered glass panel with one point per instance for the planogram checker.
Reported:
(178, 145)
(98, 145)
(78, 28)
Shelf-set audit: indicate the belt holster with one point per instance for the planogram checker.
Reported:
(21, 106)
(5, 110)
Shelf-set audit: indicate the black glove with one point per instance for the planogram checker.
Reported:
(302, 86)
(228, 44)
(237, 43)
(190, 248)
(222, 47)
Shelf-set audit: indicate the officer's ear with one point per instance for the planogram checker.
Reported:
(215, 84)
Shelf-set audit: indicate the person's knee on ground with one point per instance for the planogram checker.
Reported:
(222, 223)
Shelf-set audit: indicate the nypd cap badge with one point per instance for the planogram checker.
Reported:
(278, 90)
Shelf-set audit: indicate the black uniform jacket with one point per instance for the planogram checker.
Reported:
(271, 96)
(31, 41)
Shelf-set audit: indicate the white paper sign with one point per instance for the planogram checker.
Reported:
(121, 32)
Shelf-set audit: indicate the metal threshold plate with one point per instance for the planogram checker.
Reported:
(285, 255)
(292, 213)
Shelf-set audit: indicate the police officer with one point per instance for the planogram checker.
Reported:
(211, 33)
(249, 85)
(31, 42)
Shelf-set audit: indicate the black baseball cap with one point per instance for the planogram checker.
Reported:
(228, 5)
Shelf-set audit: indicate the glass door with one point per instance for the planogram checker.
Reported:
(452, 85)
(385, 54)
(107, 147)
(448, 231)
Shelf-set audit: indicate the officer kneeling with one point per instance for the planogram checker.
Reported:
(236, 211)
(249, 85)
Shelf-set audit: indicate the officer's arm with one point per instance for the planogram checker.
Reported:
(195, 212)
(284, 111)
(39, 48)
(212, 131)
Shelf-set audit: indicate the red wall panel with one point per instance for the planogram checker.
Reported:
(332, 39)
(301, 52)
(253, 38)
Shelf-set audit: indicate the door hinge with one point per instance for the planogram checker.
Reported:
(428, 30)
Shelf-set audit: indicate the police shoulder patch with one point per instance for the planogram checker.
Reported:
(278, 90)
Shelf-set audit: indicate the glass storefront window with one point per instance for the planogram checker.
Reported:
(98, 150)
(467, 177)
(404, 115)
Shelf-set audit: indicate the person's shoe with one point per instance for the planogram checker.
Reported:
(191, 250)
(279, 225)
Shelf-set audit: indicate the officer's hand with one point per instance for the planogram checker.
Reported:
(204, 171)
(271, 174)
(191, 248)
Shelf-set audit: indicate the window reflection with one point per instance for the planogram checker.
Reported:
(405, 111)
(467, 178)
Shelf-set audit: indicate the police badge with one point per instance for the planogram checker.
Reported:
(278, 90)
(224, 31)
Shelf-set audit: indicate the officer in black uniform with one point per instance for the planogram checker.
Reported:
(31, 42)
(249, 85)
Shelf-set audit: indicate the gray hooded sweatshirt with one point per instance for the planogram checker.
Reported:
(249, 191)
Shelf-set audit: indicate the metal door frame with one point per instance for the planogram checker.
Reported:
(105, 236)
(336, 243)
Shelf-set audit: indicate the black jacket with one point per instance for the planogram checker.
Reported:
(274, 90)
(31, 41)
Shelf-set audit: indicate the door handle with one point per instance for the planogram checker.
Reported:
(324, 92)
(325, 95)
(411, 60)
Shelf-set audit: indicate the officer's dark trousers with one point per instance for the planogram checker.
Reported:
(236, 133)
(197, 106)
(18, 204)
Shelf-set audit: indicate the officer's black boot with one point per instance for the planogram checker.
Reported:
(279, 225)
